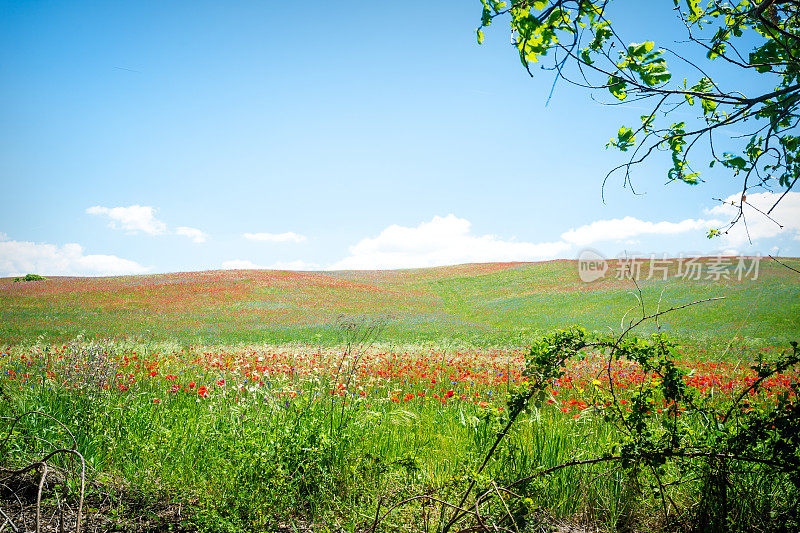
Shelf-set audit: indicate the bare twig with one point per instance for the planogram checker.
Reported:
(44, 467)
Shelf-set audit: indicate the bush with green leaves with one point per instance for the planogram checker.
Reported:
(29, 277)
(701, 464)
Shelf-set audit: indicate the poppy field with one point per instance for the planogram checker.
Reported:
(369, 376)
(499, 304)
(368, 417)
(260, 436)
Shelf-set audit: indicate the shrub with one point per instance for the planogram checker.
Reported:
(30, 277)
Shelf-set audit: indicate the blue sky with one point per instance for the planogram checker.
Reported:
(160, 137)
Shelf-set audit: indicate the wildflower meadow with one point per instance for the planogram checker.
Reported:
(370, 422)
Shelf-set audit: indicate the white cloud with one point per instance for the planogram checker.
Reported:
(442, 241)
(3, 236)
(759, 226)
(141, 218)
(625, 228)
(192, 233)
(289, 236)
(20, 257)
(132, 219)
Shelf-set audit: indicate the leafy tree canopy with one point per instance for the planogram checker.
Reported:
(760, 41)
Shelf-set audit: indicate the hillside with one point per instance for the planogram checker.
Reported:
(493, 303)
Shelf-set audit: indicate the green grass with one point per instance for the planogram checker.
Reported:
(249, 464)
(252, 456)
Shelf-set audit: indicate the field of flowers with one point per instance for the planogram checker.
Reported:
(500, 304)
(362, 401)
(253, 436)
(369, 376)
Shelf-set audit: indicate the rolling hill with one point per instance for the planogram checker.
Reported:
(492, 303)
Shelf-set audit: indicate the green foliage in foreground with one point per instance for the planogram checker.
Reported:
(251, 460)
(720, 445)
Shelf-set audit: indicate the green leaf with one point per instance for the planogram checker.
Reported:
(602, 32)
(737, 162)
(486, 14)
(617, 86)
(708, 106)
(694, 9)
(640, 49)
(625, 139)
